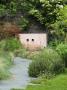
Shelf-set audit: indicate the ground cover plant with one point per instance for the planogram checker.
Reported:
(48, 61)
(57, 83)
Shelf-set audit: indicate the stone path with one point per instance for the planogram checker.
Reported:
(20, 78)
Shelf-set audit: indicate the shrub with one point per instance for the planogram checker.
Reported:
(62, 50)
(12, 44)
(13, 47)
(47, 61)
(54, 43)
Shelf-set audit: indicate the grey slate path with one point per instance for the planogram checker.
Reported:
(20, 78)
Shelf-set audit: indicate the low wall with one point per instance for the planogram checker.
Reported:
(33, 41)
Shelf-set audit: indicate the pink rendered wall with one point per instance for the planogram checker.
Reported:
(33, 41)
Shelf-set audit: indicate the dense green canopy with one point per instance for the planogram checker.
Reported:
(50, 14)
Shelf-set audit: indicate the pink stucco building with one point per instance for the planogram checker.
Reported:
(33, 41)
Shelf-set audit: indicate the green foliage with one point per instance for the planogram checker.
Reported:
(54, 43)
(62, 50)
(48, 61)
(6, 59)
(51, 14)
(13, 47)
(2, 10)
(4, 74)
(59, 82)
(41, 9)
(37, 14)
(12, 44)
(22, 52)
(5, 63)
(58, 30)
(23, 23)
(13, 7)
(4, 1)
(2, 44)
(65, 2)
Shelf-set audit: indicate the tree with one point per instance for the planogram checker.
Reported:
(58, 30)
(50, 14)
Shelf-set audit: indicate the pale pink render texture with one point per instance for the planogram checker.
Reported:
(33, 41)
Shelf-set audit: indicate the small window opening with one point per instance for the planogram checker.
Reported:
(33, 40)
(27, 40)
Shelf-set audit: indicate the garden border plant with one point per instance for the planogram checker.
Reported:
(47, 61)
(62, 51)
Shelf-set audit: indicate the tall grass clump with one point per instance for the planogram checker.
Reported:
(8, 47)
(62, 50)
(12, 44)
(5, 64)
(47, 61)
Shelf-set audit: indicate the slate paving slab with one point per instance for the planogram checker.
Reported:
(20, 77)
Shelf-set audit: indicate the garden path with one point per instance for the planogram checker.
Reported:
(20, 78)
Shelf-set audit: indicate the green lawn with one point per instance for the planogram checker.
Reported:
(58, 83)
